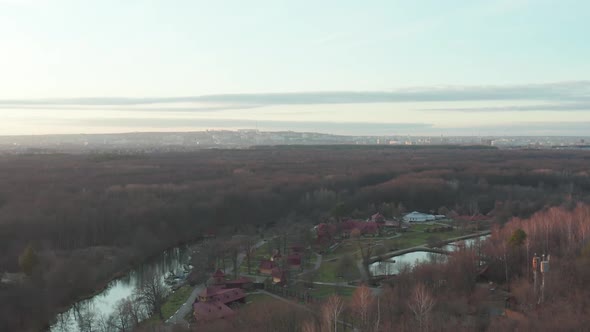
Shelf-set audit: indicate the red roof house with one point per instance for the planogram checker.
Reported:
(219, 277)
(206, 311)
(378, 218)
(279, 276)
(266, 266)
(294, 260)
(213, 302)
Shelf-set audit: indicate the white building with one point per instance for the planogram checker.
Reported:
(418, 217)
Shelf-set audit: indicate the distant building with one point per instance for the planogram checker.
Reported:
(418, 217)
(378, 218)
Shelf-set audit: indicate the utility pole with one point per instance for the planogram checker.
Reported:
(536, 267)
(544, 270)
(540, 265)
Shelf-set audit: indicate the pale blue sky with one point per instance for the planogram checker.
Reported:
(444, 65)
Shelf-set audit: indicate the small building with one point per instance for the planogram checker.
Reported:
(279, 276)
(213, 303)
(266, 266)
(294, 260)
(218, 277)
(276, 256)
(418, 217)
(378, 218)
(207, 311)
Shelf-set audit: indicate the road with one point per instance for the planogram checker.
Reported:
(186, 308)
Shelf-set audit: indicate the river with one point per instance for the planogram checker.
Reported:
(174, 261)
(393, 264)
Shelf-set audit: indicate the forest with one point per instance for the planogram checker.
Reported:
(99, 214)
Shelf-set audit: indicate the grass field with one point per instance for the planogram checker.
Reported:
(323, 291)
(175, 300)
(415, 236)
(261, 253)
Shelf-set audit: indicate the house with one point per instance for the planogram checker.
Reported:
(378, 218)
(279, 276)
(218, 277)
(206, 311)
(294, 260)
(213, 303)
(266, 266)
(418, 217)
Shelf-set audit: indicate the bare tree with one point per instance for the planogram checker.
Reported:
(233, 248)
(421, 303)
(128, 313)
(362, 301)
(153, 294)
(249, 247)
(331, 310)
(85, 316)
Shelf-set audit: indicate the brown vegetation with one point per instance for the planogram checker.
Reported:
(97, 217)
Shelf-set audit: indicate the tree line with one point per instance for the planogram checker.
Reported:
(98, 216)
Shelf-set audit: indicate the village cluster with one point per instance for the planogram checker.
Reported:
(221, 296)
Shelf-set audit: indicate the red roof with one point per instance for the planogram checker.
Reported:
(219, 274)
(223, 295)
(267, 265)
(210, 291)
(294, 259)
(211, 310)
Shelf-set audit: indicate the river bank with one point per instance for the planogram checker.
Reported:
(122, 284)
(425, 247)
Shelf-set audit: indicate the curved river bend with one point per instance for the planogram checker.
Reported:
(103, 304)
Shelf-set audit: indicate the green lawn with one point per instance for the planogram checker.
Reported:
(260, 254)
(328, 272)
(175, 300)
(323, 291)
(415, 236)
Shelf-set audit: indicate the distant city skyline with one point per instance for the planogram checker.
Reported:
(342, 67)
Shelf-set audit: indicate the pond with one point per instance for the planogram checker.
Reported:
(170, 263)
(394, 264)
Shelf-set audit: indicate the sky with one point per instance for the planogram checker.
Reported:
(495, 67)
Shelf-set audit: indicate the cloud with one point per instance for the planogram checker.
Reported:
(124, 107)
(167, 122)
(560, 92)
(518, 108)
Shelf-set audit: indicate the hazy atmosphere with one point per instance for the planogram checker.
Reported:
(342, 67)
(294, 165)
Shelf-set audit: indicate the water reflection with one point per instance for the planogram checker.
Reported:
(396, 264)
(86, 314)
